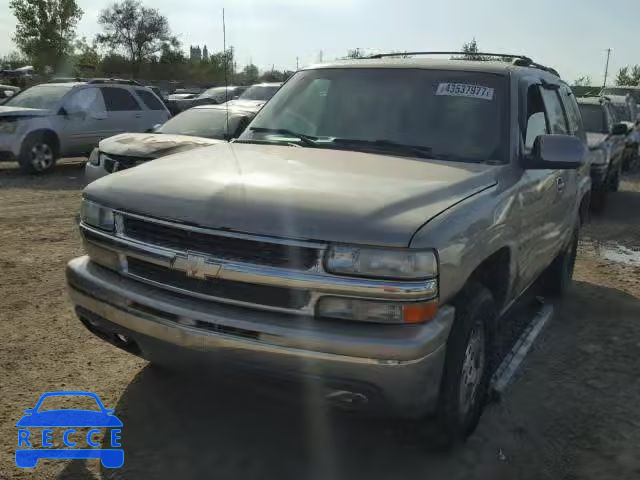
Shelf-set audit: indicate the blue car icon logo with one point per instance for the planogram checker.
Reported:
(68, 419)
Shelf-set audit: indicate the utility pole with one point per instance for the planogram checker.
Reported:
(606, 68)
(297, 64)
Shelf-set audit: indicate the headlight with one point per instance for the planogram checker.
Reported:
(97, 216)
(598, 156)
(381, 263)
(94, 158)
(8, 126)
(375, 311)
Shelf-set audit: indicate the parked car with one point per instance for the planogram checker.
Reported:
(607, 142)
(7, 91)
(366, 233)
(212, 96)
(197, 127)
(256, 95)
(626, 112)
(52, 120)
(634, 92)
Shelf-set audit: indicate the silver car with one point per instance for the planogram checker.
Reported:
(53, 120)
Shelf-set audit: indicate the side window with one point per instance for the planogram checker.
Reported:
(119, 100)
(86, 100)
(573, 112)
(610, 116)
(536, 119)
(150, 100)
(557, 119)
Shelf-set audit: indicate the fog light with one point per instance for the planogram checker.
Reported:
(375, 311)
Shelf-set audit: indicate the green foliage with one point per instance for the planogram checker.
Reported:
(628, 76)
(13, 60)
(45, 29)
(139, 32)
(583, 81)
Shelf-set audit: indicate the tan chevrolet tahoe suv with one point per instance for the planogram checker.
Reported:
(367, 231)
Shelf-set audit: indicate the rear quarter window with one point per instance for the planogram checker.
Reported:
(119, 100)
(150, 100)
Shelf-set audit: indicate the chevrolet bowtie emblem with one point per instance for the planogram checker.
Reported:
(196, 266)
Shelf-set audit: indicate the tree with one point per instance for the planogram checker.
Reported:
(140, 32)
(250, 75)
(628, 76)
(583, 81)
(355, 53)
(45, 29)
(13, 60)
(470, 52)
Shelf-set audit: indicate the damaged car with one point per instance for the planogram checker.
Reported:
(198, 127)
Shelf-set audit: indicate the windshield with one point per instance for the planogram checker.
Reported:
(454, 115)
(260, 92)
(201, 122)
(63, 402)
(47, 97)
(634, 92)
(593, 118)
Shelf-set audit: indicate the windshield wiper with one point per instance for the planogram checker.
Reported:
(305, 139)
(388, 145)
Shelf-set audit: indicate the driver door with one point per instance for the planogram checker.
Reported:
(85, 121)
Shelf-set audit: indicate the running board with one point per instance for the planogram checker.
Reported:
(505, 372)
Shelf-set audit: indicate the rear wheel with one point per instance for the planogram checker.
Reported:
(38, 153)
(599, 199)
(468, 365)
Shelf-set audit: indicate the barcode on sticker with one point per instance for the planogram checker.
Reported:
(465, 90)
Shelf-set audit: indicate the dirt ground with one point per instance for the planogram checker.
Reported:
(572, 413)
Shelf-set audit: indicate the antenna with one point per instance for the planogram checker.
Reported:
(226, 67)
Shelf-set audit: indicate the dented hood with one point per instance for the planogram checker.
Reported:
(152, 145)
(294, 192)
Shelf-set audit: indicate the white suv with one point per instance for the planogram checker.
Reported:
(53, 120)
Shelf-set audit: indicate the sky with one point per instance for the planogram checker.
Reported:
(570, 35)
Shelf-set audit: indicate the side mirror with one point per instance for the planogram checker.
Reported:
(63, 112)
(552, 152)
(619, 129)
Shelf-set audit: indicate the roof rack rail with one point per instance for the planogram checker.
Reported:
(517, 60)
(396, 54)
(120, 81)
(66, 79)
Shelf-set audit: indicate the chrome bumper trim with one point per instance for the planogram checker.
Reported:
(315, 281)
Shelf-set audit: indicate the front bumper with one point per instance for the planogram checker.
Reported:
(397, 368)
(94, 172)
(10, 144)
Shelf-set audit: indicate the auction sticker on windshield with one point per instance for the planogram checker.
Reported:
(465, 90)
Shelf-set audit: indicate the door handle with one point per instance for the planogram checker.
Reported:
(138, 115)
(560, 184)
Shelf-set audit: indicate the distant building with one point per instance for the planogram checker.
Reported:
(195, 53)
(205, 53)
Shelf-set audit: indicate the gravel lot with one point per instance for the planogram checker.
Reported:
(572, 413)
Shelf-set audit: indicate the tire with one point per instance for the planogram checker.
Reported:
(614, 182)
(38, 154)
(599, 199)
(558, 276)
(468, 365)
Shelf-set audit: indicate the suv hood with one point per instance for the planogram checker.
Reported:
(295, 192)
(152, 145)
(8, 111)
(594, 140)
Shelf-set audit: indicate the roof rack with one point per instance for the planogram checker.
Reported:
(517, 60)
(120, 81)
(66, 80)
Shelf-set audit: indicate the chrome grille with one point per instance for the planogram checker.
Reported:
(288, 298)
(244, 250)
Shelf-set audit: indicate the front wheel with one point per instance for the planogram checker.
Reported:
(468, 365)
(38, 154)
(558, 276)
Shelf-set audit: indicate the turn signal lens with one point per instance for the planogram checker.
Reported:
(419, 312)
